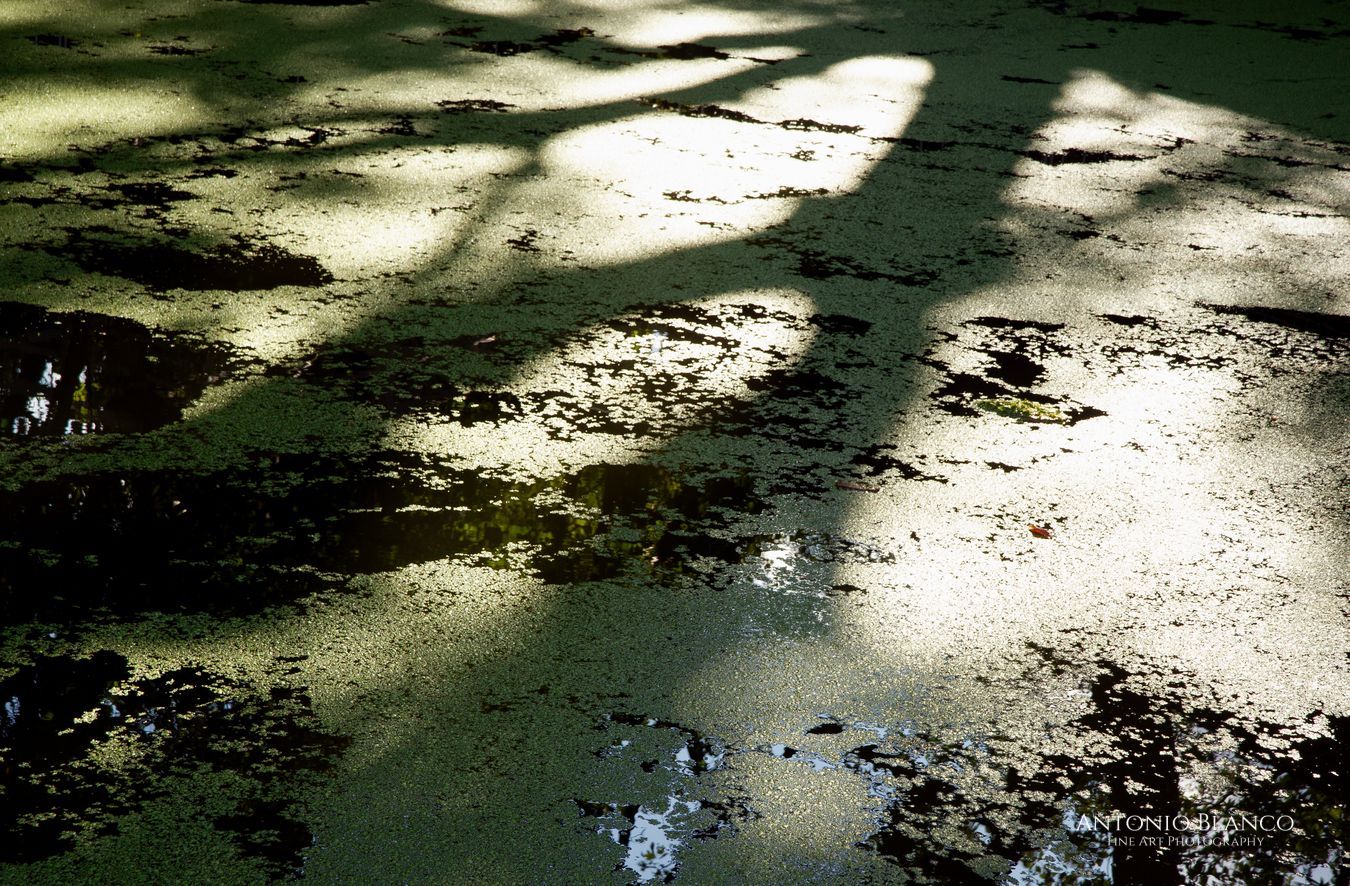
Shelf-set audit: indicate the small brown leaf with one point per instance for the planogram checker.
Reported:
(1040, 531)
(856, 487)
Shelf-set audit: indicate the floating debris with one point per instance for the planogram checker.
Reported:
(1022, 410)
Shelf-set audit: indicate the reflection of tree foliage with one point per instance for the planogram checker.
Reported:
(238, 540)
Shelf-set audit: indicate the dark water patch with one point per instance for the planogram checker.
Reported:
(800, 385)
(879, 459)
(677, 51)
(1015, 368)
(805, 124)
(82, 373)
(956, 396)
(551, 42)
(421, 373)
(1130, 320)
(815, 265)
(654, 834)
(839, 324)
(244, 139)
(800, 124)
(1037, 80)
(1145, 15)
(1326, 326)
(403, 126)
(474, 106)
(503, 48)
(1077, 155)
(1303, 34)
(685, 110)
(686, 197)
(35, 202)
(1142, 15)
(969, 395)
(58, 40)
(952, 809)
(525, 242)
(1239, 340)
(213, 172)
(154, 197)
(409, 374)
(61, 712)
(1015, 350)
(697, 753)
(1007, 324)
(919, 144)
(175, 49)
(1207, 175)
(689, 51)
(133, 542)
(786, 191)
(242, 264)
(1154, 747)
(564, 36)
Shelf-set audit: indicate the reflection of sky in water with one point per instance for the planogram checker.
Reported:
(652, 841)
(653, 837)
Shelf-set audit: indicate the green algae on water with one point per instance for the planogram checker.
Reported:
(1022, 410)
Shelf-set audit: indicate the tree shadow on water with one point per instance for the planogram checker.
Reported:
(643, 557)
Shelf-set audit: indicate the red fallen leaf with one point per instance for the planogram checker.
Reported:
(856, 487)
(1040, 531)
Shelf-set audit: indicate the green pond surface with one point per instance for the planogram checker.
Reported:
(631, 442)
